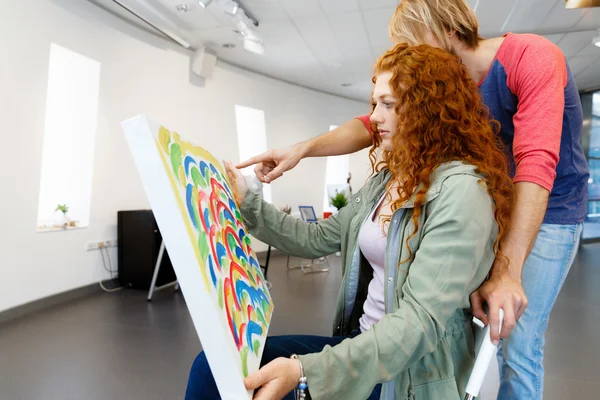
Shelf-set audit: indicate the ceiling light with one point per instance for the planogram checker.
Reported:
(254, 46)
(185, 7)
(235, 9)
(204, 3)
(245, 24)
(582, 3)
(596, 40)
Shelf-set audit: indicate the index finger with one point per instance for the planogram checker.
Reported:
(254, 160)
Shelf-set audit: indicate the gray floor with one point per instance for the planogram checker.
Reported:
(118, 346)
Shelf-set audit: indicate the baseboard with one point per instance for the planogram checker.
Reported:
(41, 304)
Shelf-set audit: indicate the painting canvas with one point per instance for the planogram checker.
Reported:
(209, 247)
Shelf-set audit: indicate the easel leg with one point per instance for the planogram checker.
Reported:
(156, 270)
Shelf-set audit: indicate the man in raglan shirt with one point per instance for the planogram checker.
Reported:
(528, 87)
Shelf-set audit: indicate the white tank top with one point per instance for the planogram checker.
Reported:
(372, 242)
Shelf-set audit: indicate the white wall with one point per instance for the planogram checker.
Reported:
(136, 77)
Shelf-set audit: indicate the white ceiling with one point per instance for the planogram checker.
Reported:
(322, 44)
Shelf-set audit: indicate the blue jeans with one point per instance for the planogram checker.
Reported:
(202, 386)
(520, 356)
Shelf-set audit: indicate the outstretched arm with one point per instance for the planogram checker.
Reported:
(347, 138)
(291, 235)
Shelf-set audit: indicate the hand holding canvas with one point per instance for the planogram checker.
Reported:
(240, 187)
(275, 380)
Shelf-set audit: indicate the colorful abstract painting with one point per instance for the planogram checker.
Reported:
(230, 275)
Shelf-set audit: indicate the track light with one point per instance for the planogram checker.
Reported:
(596, 40)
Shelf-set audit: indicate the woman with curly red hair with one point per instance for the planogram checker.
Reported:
(415, 242)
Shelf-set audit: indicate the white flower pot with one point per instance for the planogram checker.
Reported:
(63, 220)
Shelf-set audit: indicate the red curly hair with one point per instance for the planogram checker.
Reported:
(441, 118)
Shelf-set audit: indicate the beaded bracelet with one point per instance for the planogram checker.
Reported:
(300, 391)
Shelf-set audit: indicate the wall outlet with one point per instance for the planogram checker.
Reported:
(97, 245)
(111, 243)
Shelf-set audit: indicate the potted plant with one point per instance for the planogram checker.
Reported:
(287, 209)
(63, 219)
(339, 200)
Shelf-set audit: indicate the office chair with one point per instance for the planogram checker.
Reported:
(308, 215)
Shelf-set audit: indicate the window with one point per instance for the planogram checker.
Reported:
(252, 140)
(69, 133)
(336, 176)
(591, 102)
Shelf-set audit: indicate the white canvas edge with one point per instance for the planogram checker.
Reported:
(158, 188)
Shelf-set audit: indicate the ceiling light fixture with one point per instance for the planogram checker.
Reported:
(582, 3)
(245, 24)
(234, 8)
(204, 3)
(596, 40)
(185, 7)
(254, 47)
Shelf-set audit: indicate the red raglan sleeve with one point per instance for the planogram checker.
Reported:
(538, 77)
(366, 120)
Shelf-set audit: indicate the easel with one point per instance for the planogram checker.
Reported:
(153, 287)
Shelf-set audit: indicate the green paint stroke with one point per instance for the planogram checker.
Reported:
(261, 317)
(195, 209)
(265, 304)
(203, 246)
(176, 159)
(244, 355)
(252, 280)
(220, 294)
(196, 177)
(256, 346)
(246, 298)
(231, 243)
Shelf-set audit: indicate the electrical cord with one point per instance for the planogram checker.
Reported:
(109, 269)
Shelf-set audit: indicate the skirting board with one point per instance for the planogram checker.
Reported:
(41, 304)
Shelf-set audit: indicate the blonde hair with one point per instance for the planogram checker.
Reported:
(413, 18)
